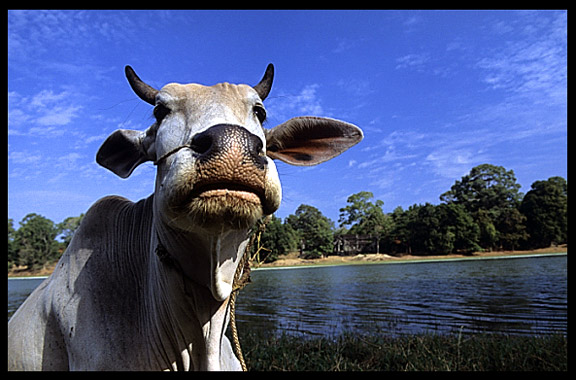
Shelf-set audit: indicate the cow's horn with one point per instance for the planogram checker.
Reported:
(263, 88)
(144, 91)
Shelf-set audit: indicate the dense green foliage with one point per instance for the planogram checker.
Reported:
(491, 196)
(350, 352)
(314, 231)
(34, 244)
(484, 210)
(279, 239)
(546, 209)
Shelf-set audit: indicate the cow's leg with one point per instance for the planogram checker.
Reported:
(35, 342)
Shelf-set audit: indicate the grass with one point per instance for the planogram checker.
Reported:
(484, 352)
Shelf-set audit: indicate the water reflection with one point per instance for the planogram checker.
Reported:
(520, 296)
(18, 290)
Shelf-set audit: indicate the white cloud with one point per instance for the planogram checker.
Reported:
(16, 118)
(454, 163)
(45, 132)
(43, 112)
(306, 103)
(356, 87)
(24, 157)
(415, 61)
(59, 115)
(32, 32)
(69, 161)
(344, 44)
(390, 155)
(46, 98)
(533, 64)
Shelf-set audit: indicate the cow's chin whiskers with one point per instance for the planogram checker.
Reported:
(215, 211)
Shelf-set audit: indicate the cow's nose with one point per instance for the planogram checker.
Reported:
(223, 140)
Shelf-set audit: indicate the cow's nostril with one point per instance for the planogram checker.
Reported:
(219, 141)
(201, 143)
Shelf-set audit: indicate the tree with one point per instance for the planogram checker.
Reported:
(278, 238)
(68, 227)
(511, 228)
(418, 230)
(490, 195)
(487, 187)
(360, 213)
(12, 248)
(365, 217)
(314, 230)
(457, 222)
(546, 209)
(401, 234)
(36, 242)
(429, 229)
(488, 234)
(424, 233)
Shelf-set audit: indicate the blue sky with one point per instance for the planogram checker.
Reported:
(436, 93)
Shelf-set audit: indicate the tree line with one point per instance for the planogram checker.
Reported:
(483, 211)
(34, 244)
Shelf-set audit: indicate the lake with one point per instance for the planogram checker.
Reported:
(524, 296)
(19, 289)
(521, 296)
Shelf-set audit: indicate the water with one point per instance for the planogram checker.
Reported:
(517, 296)
(18, 290)
(525, 296)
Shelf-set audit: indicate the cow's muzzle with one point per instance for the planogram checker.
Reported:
(231, 158)
(223, 140)
(230, 176)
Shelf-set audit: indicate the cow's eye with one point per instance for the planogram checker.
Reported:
(160, 112)
(260, 113)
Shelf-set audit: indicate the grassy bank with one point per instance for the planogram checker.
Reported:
(485, 352)
(292, 259)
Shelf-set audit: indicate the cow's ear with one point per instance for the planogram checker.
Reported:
(308, 140)
(124, 150)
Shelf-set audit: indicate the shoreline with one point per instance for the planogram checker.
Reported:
(373, 258)
(292, 261)
(415, 261)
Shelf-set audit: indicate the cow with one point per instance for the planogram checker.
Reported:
(146, 285)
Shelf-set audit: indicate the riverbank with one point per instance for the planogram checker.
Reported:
(425, 352)
(292, 260)
(25, 272)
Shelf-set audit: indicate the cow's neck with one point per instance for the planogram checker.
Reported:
(190, 275)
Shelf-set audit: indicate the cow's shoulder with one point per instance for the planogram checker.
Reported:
(105, 211)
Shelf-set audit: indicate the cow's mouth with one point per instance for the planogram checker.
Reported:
(234, 204)
(227, 189)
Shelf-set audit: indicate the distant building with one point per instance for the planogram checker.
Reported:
(345, 245)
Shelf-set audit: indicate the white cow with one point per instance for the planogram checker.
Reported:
(146, 285)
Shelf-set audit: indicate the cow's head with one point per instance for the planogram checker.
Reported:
(214, 158)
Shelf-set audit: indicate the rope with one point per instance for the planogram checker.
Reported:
(170, 153)
(241, 279)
